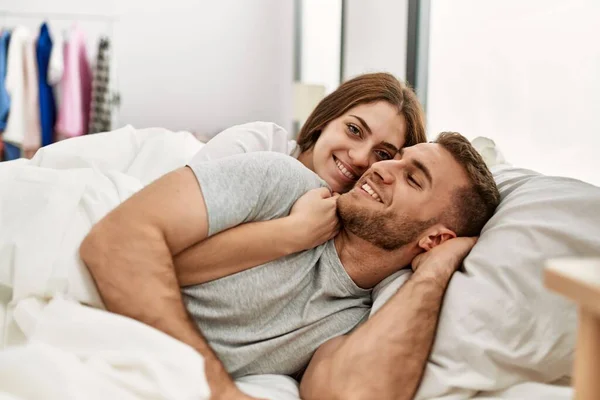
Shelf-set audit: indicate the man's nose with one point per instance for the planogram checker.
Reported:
(387, 170)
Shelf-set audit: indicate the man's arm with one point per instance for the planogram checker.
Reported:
(385, 358)
(129, 253)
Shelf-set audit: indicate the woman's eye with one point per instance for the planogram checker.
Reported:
(383, 155)
(354, 130)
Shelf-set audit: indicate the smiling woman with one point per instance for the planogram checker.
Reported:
(369, 118)
(349, 144)
(380, 116)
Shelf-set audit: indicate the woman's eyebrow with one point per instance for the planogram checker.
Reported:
(363, 122)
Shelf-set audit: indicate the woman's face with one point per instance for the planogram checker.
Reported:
(348, 145)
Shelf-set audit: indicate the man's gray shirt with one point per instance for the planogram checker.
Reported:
(270, 319)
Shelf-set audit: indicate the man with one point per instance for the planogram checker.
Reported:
(298, 311)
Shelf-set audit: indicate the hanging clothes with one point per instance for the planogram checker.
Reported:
(4, 97)
(76, 88)
(11, 152)
(46, 94)
(57, 63)
(23, 125)
(100, 110)
(56, 69)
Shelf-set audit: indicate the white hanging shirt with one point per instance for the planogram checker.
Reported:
(56, 65)
(23, 124)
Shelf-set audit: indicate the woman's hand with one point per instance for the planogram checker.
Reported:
(314, 218)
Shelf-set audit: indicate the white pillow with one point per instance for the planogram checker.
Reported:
(160, 152)
(499, 325)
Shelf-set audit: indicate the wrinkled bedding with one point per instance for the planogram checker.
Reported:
(59, 343)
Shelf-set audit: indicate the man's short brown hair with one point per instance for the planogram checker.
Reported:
(474, 205)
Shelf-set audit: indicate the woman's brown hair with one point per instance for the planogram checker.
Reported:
(367, 88)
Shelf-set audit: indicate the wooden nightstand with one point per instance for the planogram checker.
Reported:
(579, 280)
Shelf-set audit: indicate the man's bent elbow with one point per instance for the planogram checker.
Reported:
(338, 371)
(322, 380)
(92, 249)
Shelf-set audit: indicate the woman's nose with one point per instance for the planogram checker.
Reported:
(360, 157)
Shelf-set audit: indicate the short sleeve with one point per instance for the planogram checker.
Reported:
(249, 187)
(247, 138)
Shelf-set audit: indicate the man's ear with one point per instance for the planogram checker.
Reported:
(435, 236)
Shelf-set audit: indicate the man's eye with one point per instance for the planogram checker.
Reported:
(413, 181)
(383, 155)
(354, 130)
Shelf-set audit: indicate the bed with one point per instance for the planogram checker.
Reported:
(501, 335)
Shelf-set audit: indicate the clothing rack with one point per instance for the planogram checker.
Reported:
(110, 20)
(61, 16)
(107, 22)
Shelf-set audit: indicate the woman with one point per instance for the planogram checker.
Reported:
(367, 119)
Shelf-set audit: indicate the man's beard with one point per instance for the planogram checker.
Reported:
(386, 230)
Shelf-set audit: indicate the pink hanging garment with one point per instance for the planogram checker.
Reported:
(76, 88)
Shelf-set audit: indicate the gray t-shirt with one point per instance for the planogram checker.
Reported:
(270, 319)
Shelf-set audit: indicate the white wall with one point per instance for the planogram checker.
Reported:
(375, 37)
(198, 66)
(524, 73)
(321, 43)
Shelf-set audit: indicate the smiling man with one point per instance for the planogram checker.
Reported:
(308, 309)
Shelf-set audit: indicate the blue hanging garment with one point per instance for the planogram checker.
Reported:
(46, 94)
(4, 97)
(11, 151)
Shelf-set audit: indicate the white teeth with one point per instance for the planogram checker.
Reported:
(369, 190)
(346, 173)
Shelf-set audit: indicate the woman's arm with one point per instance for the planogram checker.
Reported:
(234, 250)
(312, 221)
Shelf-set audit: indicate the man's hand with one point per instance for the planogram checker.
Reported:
(447, 256)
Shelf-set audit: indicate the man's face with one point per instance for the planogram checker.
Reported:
(396, 201)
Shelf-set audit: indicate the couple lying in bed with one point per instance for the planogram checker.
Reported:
(257, 262)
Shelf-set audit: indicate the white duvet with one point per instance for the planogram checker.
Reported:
(59, 343)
